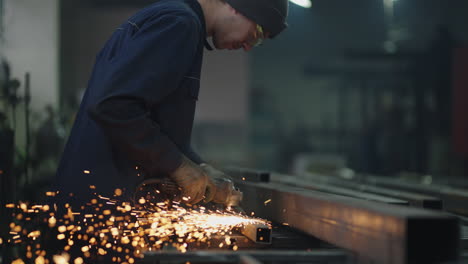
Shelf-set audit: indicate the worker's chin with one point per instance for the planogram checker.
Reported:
(218, 47)
(216, 43)
(231, 46)
(222, 45)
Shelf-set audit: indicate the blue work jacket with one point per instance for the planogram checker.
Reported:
(136, 116)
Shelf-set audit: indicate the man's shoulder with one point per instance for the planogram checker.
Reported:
(177, 8)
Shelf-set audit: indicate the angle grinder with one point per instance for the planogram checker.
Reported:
(151, 192)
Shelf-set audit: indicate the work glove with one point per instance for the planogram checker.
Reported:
(192, 181)
(220, 188)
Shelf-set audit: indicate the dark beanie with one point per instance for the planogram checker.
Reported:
(270, 14)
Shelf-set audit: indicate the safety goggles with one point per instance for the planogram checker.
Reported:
(257, 37)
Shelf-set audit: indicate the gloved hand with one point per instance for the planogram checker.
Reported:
(192, 181)
(220, 187)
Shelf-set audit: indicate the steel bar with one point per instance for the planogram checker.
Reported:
(245, 174)
(283, 237)
(382, 233)
(453, 199)
(238, 240)
(464, 237)
(294, 181)
(463, 219)
(225, 256)
(413, 198)
(248, 260)
(258, 233)
(464, 257)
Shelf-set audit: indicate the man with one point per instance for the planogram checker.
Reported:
(136, 116)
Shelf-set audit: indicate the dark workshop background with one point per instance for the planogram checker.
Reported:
(366, 86)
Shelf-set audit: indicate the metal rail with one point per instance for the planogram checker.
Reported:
(377, 232)
(414, 199)
(453, 199)
(283, 237)
(464, 237)
(291, 180)
(248, 260)
(223, 256)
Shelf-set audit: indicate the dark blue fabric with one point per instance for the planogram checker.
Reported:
(136, 116)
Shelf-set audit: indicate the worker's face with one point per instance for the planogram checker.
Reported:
(235, 31)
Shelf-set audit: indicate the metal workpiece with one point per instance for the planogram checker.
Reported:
(286, 237)
(463, 219)
(226, 256)
(454, 200)
(239, 241)
(259, 233)
(464, 237)
(464, 257)
(248, 260)
(377, 232)
(294, 181)
(245, 174)
(413, 198)
(282, 238)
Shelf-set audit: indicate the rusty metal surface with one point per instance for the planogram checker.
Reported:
(453, 199)
(224, 256)
(294, 181)
(413, 198)
(379, 232)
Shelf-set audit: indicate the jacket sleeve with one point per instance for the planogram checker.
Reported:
(191, 154)
(149, 66)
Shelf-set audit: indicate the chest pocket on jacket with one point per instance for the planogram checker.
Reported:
(193, 87)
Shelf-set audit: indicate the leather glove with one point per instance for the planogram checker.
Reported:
(220, 188)
(192, 181)
(214, 173)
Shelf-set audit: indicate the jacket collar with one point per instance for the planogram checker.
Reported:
(198, 9)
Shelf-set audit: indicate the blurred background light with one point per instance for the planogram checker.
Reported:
(303, 3)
